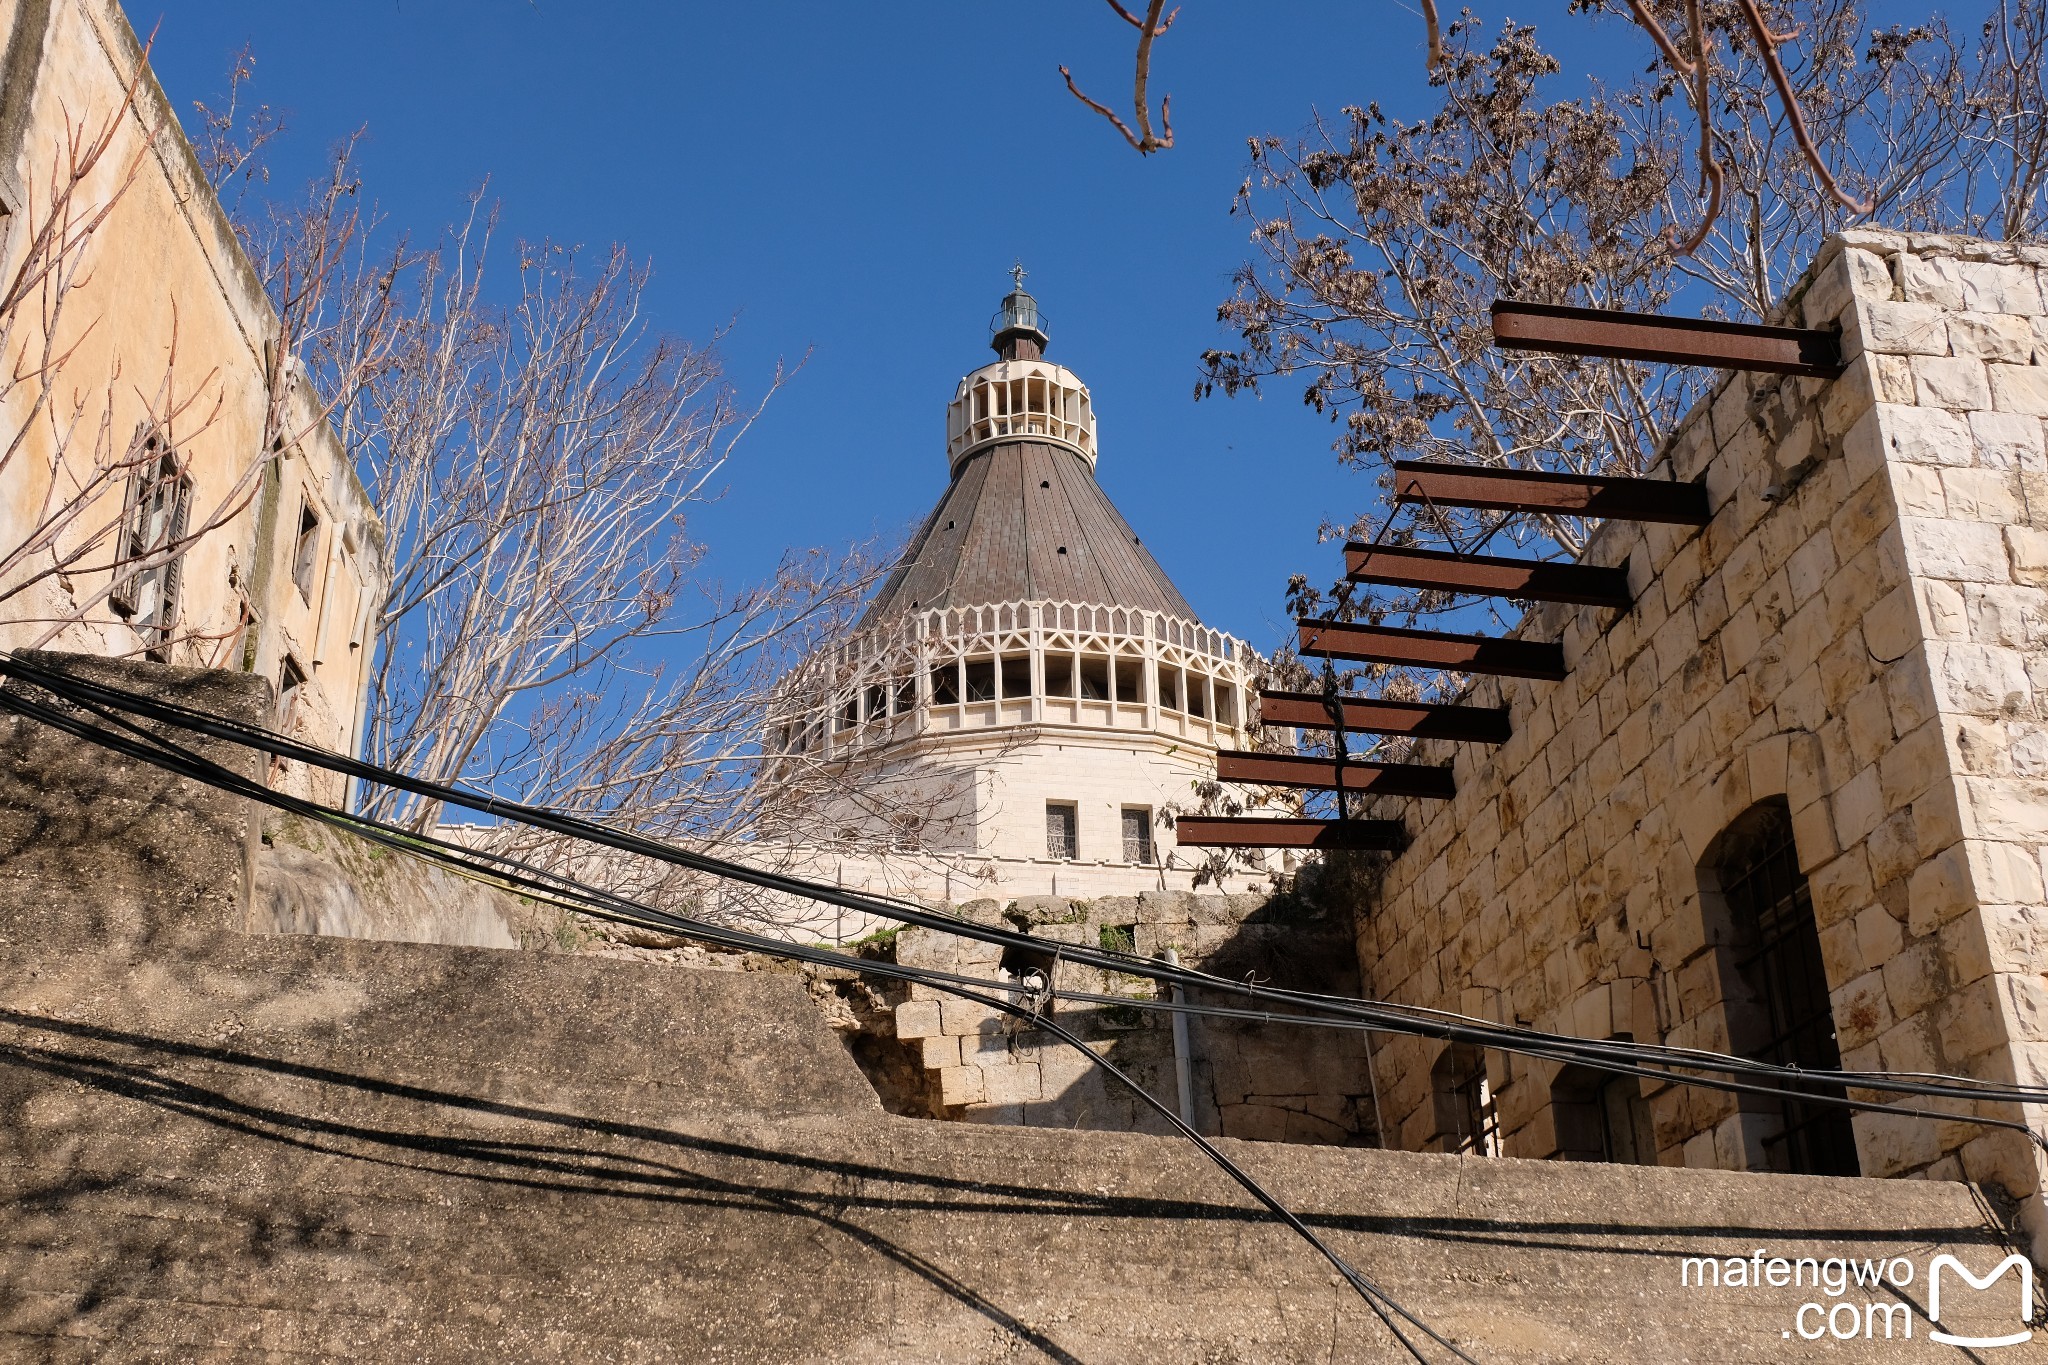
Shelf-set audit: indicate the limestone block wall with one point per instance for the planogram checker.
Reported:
(1262, 1082)
(1860, 632)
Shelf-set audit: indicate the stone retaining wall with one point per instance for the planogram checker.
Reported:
(224, 1146)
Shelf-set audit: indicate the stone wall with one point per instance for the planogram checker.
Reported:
(1265, 1082)
(1860, 633)
(218, 1145)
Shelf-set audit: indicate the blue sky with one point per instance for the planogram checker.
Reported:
(855, 179)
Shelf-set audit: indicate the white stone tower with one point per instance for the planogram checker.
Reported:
(1029, 656)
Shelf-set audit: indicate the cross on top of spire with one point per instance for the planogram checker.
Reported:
(1017, 273)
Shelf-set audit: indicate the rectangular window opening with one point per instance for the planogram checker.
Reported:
(1169, 689)
(981, 680)
(1062, 821)
(1137, 834)
(151, 551)
(291, 687)
(945, 684)
(1094, 678)
(306, 550)
(1130, 685)
(1059, 675)
(1016, 675)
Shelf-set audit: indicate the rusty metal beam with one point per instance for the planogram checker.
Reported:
(1571, 495)
(1323, 774)
(1213, 831)
(1431, 649)
(1672, 341)
(1420, 720)
(1586, 584)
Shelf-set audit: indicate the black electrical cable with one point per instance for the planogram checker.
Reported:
(154, 749)
(1410, 1020)
(575, 895)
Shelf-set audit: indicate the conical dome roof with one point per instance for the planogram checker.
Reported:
(1025, 521)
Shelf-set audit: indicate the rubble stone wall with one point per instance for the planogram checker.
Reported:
(1260, 1081)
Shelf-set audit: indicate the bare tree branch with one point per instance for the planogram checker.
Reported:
(1144, 140)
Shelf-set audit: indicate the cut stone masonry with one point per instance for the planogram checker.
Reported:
(1862, 632)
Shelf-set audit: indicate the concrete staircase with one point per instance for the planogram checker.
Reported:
(223, 1146)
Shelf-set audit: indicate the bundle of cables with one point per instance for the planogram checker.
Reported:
(140, 727)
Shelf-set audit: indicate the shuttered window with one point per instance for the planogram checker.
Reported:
(149, 560)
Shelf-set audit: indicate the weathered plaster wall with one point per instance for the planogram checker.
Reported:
(170, 317)
(1860, 631)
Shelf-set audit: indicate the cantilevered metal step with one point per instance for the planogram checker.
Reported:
(1212, 831)
(1444, 570)
(1565, 330)
(1420, 720)
(1431, 649)
(1571, 495)
(1324, 774)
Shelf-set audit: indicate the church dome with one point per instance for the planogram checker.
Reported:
(1022, 518)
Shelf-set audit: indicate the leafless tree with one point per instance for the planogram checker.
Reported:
(1382, 242)
(552, 632)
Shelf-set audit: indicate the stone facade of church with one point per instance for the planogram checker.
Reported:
(1028, 668)
(1828, 707)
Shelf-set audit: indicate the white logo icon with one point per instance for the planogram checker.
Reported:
(2026, 1298)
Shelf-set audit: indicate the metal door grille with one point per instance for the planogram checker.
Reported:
(1783, 966)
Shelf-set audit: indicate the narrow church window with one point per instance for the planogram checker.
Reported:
(1137, 834)
(1059, 675)
(877, 701)
(1061, 822)
(1466, 1119)
(1017, 675)
(1788, 1018)
(1226, 705)
(150, 555)
(906, 696)
(1094, 678)
(306, 550)
(1169, 689)
(1130, 685)
(946, 684)
(981, 680)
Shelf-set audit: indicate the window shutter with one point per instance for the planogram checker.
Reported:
(126, 547)
(174, 567)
